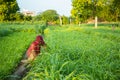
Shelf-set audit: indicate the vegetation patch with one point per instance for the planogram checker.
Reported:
(77, 55)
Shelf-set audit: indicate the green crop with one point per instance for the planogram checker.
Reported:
(74, 53)
(11, 51)
(78, 54)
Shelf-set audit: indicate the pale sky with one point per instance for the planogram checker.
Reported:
(63, 7)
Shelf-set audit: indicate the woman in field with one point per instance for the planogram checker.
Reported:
(31, 54)
(34, 48)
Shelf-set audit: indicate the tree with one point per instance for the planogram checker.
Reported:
(19, 16)
(84, 9)
(27, 18)
(65, 20)
(37, 18)
(81, 10)
(8, 8)
(49, 16)
(111, 11)
(115, 9)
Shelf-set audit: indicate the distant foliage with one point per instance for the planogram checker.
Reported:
(65, 20)
(50, 16)
(106, 10)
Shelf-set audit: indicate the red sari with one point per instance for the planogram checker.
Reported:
(35, 47)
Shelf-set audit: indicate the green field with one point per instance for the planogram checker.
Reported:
(76, 53)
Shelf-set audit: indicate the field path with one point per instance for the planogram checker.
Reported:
(20, 70)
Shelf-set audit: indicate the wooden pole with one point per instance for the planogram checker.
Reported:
(95, 21)
(60, 20)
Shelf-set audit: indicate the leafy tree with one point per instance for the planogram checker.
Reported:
(49, 15)
(19, 16)
(84, 9)
(37, 18)
(65, 20)
(27, 18)
(115, 10)
(8, 8)
(81, 10)
(105, 14)
(111, 10)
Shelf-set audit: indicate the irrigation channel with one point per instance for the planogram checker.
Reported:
(20, 70)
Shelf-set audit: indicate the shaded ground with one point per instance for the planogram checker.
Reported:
(20, 71)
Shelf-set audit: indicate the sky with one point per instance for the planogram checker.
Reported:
(63, 7)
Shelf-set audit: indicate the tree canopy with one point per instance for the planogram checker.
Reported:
(50, 16)
(7, 9)
(105, 9)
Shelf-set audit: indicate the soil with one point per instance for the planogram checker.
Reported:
(20, 71)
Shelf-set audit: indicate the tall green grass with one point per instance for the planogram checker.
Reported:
(13, 47)
(14, 41)
(78, 54)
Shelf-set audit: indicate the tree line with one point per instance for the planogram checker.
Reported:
(82, 11)
(9, 11)
(105, 10)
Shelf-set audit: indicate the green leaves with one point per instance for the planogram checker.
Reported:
(13, 46)
(75, 53)
(78, 53)
(7, 8)
(105, 9)
(49, 15)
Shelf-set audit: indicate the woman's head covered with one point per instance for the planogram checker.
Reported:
(39, 39)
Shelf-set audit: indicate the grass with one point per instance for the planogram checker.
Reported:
(13, 46)
(11, 51)
(78, 54)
